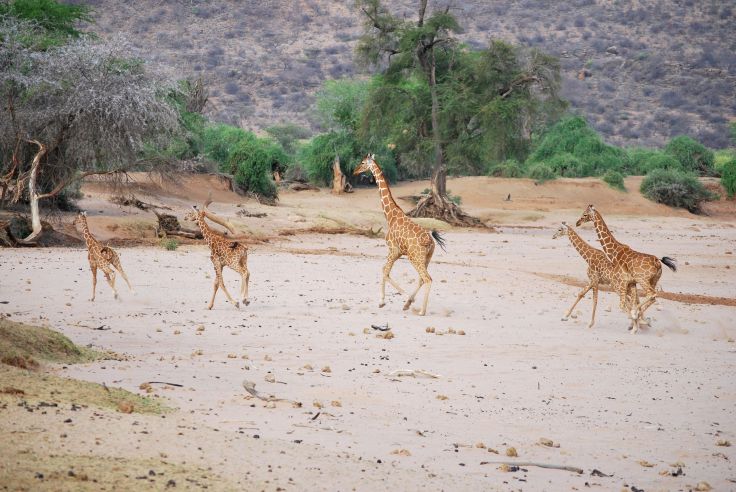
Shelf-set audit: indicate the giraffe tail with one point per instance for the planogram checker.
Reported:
(439, 239)
(670, 262)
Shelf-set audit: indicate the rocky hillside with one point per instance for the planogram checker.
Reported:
(640, 71)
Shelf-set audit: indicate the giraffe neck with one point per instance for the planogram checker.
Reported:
(608, 242)
(584, 249)
(88, 238)
(390, 208)
(206, 232)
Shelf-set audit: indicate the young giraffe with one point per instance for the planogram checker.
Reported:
(644, 269)
(403, 237)
(223, 252)
(101, 257)
(600, 272)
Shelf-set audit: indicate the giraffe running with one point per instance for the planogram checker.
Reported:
(403, 237)
(645, 269)
(223, 252)
(600, 272)
(102, 257)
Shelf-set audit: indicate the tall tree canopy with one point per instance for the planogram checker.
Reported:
(435, 101)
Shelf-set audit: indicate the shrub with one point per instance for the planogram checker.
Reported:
(220, 140)
(692, 155)
(319, 153)
(676, 189)
(507, 169)
(723, 156)
(288, 135)
(254, 161)
(540, 173)
(728, 177)
(614, 179)
(641, 161)
(574, 146)
(169, 244)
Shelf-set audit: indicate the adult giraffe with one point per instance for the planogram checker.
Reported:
(644, 268)
(403, 237)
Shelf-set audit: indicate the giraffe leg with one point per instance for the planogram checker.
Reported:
(393, 255)
(215, 286)
(224, 289)
(94, 281)
(119, 268)
(424, 278)
(110, 277)
(625, 303)
(595, 304)
(245, 276)
(580, 296)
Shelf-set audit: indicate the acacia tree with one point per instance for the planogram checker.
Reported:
(438, 101)
(82, 108)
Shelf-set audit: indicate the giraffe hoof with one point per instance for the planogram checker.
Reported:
(237, 305)
(381, 304)
(246, 302)
(564, 318)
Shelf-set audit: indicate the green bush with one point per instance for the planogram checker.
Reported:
(506, 169)
(541, 173)
(319, 153)
(676, 189)
(254, 161)
(572, 148)
(288, 135)
(692, 155)
(169, 244)
(641, 161)
(614, 179)
(728, 177)
(220, 140)
(723, 156)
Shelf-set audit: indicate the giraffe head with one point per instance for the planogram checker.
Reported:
(368, 164)
(588, 216)
(562, 231)
(80, 217)
(194, 214)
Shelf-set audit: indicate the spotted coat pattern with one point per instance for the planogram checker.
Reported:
(645, 269)
(403, 237)
(600, 272)
(102, 257)
(223, 252)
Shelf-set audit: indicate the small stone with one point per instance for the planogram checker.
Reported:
(326, 369)
(270, 378)
(125, 407)
(336, 403)
(511, 452)
(724, 443)
(461, 332)
(200, 328)
(317, 404)
(442, 397)
(703, 486)
(232, 356)
(401, 452)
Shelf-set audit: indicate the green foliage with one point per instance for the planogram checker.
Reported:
(506, 169)
(723, 156)
(254, 160)
(676, 189)
(541, 173)
(57, 21)
(614, 179)
(641, 161)
(169, 244)
(289, 136)
(319, 153)
(732, 128)
(220, 141)
(692, 155)
(572, 148)
(728, 177)
(340, 102)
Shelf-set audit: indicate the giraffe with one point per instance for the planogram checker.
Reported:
(403, 237)
(102, 257)
(644, 269)
(223, 252)
(600, 272)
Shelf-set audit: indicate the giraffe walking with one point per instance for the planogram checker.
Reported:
(403, 237)
(102, 257)
(600, 272)
(223, 252)
(645, 269)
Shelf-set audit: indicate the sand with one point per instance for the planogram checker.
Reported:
(612, 401)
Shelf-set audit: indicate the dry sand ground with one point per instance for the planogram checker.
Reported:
(628, 406)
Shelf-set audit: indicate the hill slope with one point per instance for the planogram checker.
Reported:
(641, 72)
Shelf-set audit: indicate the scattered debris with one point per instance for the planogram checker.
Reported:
(645, 463)
(250, 387)
(386, 335)
(125, 407)
(723, 442)
(401, 452)
(548, 442)
(516, 465)
(511, 452)
(381, 328)
(415, 373)
(597, 473)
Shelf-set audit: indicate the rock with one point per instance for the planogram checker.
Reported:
(612, 50)
(511, 453)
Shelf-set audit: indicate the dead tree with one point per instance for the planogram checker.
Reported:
(339, 180)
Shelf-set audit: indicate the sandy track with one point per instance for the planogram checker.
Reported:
(519, 374)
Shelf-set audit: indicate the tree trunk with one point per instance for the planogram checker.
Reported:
(339, 180)
(34, 197)
(439, 173)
